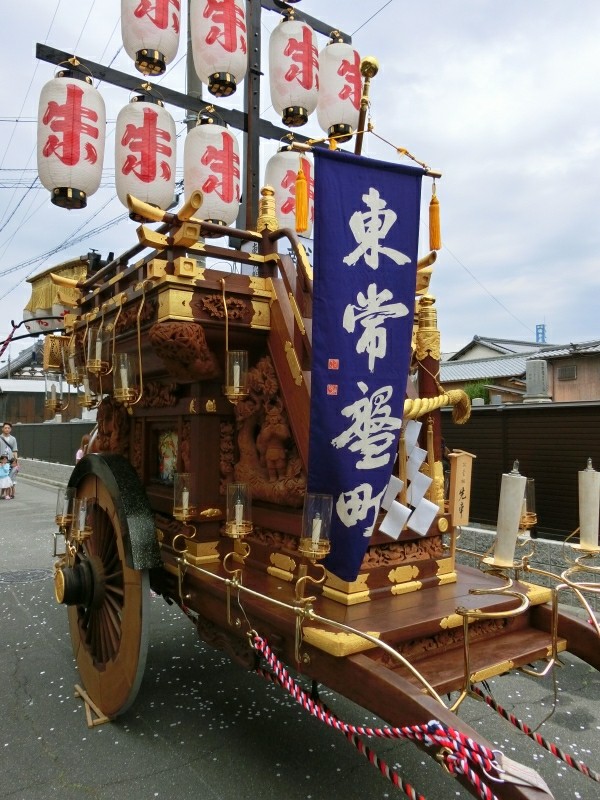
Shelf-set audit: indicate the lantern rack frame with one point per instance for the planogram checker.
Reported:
(248, 121)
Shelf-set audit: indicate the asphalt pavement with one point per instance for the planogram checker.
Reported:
(203, 727)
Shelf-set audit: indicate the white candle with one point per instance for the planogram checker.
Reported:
(589, 506)
(239, 514)
(53, 394)
(512, 492)
(316, 530)
(65, 508)
(86, 386)
(236, 375)
(185, 500)
(82, 516)
(124, 381)
(98, 349)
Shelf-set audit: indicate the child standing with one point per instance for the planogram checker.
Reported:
(5, 481)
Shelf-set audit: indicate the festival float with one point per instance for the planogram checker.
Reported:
(268, 451)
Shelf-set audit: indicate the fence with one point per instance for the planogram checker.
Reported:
(551, 441)
(53, 442)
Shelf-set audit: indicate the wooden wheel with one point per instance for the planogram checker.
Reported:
(107, 598)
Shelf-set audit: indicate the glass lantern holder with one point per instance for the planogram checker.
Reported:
(69, 362)
(124, 379)
(239, 511)
(184, 505)
(528, 513)
(316, 524)
(236, 381)
(53, 391)
(86, 398)
(97, 351)
(82, 524)
(64, 506)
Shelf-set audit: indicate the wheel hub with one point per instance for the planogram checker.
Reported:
(82, 584)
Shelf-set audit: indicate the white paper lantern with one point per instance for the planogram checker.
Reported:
(340, 90)
(211, 163)
(70, 139)
(145, 153)
(150, 32)
(281, 173)
(293, 71)
(219, 43)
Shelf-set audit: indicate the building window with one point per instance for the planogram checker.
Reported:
(567, 373)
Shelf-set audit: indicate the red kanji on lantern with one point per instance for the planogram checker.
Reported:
(147, 142)
(281, 173)
(150, 32)
(293, 71)
(71, 130)
(219, 43)
(160, 13)
(145, 153)
(211, 163)
(340, 90)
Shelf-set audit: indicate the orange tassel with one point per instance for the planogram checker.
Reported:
(435, 231)
(301, 201)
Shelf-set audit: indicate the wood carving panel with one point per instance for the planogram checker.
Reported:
(267, 455)
(184, 351)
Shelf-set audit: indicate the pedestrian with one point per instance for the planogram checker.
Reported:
(5, 481)
(10, 449)
(85, 440)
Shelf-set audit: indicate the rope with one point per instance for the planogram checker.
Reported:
(457, 750)
(366, 751)
(552, 748)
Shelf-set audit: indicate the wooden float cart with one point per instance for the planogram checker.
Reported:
(413, 627)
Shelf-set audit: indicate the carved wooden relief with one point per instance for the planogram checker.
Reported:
(267, 456)
(390, 553)
(159, 395)
(114, 425)
(184, 351)
(238, 309)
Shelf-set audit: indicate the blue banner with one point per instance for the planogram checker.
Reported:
(365, 264)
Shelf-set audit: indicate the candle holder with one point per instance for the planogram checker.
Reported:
(54, 399)
(528, 513)
(239, 511)
(124, 380)
(316, 522)
(97, 353)
(236, 383)
(82, 524)
(64, 506)
(86, 398)
(236, 363)
(184, 497)
(69, 362)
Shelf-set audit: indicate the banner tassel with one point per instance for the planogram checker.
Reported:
(435, 232)
(301, 202)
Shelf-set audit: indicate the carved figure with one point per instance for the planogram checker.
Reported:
(272, 443)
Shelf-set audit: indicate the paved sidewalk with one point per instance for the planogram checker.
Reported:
(203, 727)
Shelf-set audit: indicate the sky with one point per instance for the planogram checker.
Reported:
(500, 96)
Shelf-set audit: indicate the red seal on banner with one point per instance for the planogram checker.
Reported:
(332, 389)
(333, 363)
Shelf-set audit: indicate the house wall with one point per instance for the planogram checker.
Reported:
(585, 387)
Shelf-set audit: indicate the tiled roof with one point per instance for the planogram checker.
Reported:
(34, 354)
(482, 368)
(573, 349)
(501, 346)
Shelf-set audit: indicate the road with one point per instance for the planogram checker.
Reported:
(203, 727)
